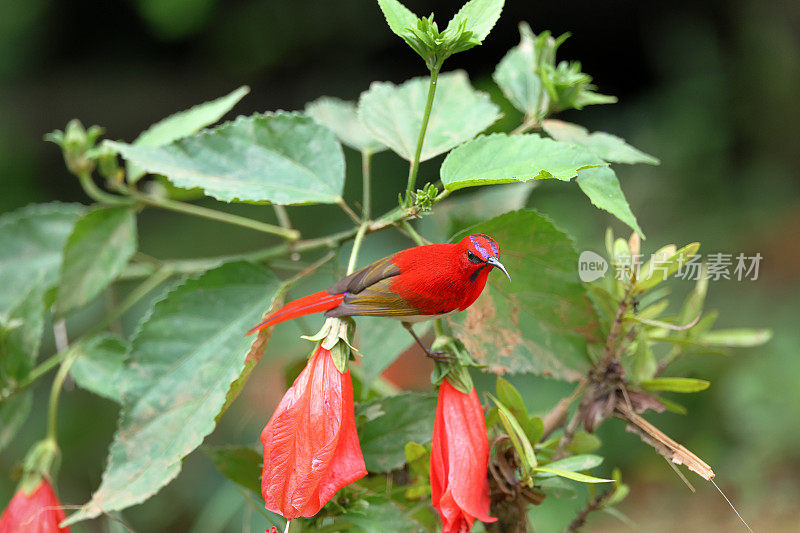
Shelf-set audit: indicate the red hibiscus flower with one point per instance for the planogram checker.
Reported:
(459, 458)
(311, 448)
(37, 512)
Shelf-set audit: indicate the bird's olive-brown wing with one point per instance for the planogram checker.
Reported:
(368, 292)
(366, 277)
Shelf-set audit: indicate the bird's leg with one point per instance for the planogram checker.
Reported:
(442, 357)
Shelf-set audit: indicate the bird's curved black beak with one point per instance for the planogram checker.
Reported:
(495, 262)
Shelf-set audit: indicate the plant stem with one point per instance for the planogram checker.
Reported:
(362, 230)
(283, 216)
(348, 211)
(416, 237)
(96, 193)
(412, 172)
(527, 125)
(213, 214)
(366, 185)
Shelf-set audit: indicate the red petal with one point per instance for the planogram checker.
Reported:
(313, 424)
(39, 512)
(459, 459)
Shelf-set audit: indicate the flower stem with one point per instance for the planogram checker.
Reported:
(412, 172)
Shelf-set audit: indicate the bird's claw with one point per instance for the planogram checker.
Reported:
(441, 357)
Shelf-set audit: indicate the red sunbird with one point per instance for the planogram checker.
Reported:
(416, 284)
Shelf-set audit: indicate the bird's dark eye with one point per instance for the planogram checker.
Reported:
(474, 258)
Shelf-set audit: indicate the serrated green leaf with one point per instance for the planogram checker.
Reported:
(541, 321)
(184, 123)
(381, 342)
(377, 514)
(182, 362)
(393, 114)
(240, 464)
(385, 425)
(21, 334)
(283, 158)
(342, 119)
(675, 384)
(13, 414)
(517, 73)
(503, 158)
(604, 145)
(31, 240)
(478, 17)
(736, 338)
(100, 366)
(601, 186)
(100, 245)
(398, 17)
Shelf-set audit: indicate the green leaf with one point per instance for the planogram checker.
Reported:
(601, 186)
(541, 321)
(675, 384)
(240, 464)
(604, 145)
(663, 264)
(398, 17)
(517, 435)
(511, 399)
(393, 114)
(21, 335)
(577, 463)
(13, 414)
(503, 158)
(31, 240)
(100, 366)
(185, 123)
(381, 342)
(736, 338)
(576, 476)
(478, 17)
(283, 158)
(644, 362)
(385, 425)
(376, 513)
(99, 247)
(342, 119)
(182, 362)
(583, 442)
(517, 73)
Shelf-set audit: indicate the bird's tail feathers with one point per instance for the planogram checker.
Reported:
(313, 303)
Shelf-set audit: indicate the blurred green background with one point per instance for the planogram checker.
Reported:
(708, 87)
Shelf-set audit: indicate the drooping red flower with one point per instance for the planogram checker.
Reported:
(459, 459)
(37, 512)
(311, 447)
